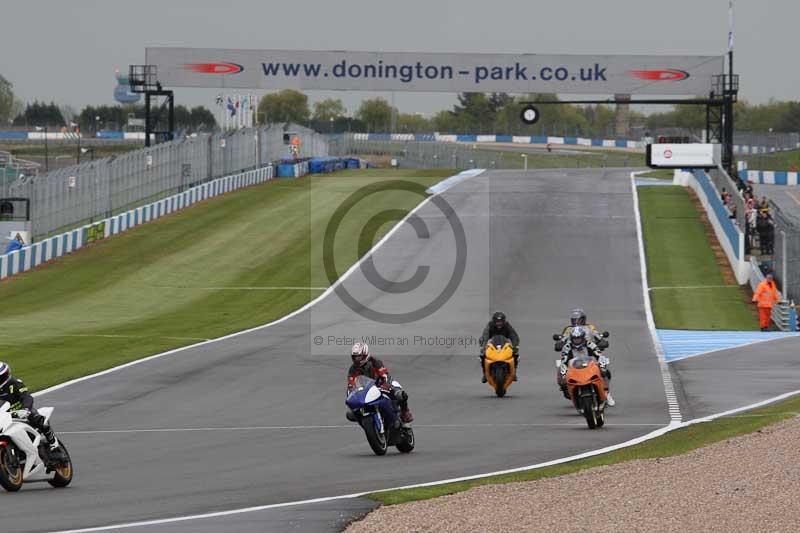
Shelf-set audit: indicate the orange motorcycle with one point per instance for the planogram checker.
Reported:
(587, 388)
(498, 364)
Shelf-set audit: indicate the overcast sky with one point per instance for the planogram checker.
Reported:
(67, 51)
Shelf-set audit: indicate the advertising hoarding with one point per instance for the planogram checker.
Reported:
(434, 72)
(683, 155)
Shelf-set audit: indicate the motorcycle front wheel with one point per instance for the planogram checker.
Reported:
(377, 441)
(10, 469)
(499, 373)
(406, 444)
(63, 472)
(587, 405)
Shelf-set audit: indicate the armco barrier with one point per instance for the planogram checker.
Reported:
(730, 237)
(66, 243)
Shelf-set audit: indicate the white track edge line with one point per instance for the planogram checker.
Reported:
(673, 407)
(638, 440)
(467, 175)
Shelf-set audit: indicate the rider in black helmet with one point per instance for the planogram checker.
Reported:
(499, 325)
(15, 392)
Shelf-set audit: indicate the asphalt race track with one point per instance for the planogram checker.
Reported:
(150, 441)
(728, 379)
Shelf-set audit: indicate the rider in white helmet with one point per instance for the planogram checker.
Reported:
(580, 339)
(366, 365)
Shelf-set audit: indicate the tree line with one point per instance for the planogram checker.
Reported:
(491, 113)
(473, 113)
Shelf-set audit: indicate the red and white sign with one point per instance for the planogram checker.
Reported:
(691, 155)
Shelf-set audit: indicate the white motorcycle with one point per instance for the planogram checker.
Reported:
(25, 454)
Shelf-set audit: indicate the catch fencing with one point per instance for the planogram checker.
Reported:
(95, 190)
(786, 262)
(45, 250)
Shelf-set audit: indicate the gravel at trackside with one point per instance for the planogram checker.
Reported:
(748, 483)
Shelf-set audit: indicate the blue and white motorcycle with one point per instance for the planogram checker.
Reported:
(379, 414)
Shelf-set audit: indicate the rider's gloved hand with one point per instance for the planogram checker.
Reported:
(603, 361)
(22, 413)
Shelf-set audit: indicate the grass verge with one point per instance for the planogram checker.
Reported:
(688, 289)
(228, 264)
(662, 174)
(56, 148)
(674, 443)
(555, 159)
(774, 161)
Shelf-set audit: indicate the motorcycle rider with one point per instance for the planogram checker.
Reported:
(578, 341)
(14, 391)
(499, 325)
(366, 365)
(578, 318)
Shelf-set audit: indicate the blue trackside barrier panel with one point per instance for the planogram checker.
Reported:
(719, 210)
(285, 170)
(466, 138)
(104, 134)
(770, 177)
(505, 138)
(380, 137)
(353, 163)
(621, 144)
(570, 140)
(539, 139)
(13, 135)
(597, 142)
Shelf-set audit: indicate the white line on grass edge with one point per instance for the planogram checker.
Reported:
(437, 189)
(673, 425)
(666, 378)
(657, 433)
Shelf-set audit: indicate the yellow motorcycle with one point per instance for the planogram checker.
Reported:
(498, 364)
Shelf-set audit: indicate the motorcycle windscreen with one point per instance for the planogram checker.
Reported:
(363, 388)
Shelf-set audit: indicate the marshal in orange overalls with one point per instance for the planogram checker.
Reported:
(765, 296)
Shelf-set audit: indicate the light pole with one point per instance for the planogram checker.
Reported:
(525, 159)
(330, 129)
(46, 153)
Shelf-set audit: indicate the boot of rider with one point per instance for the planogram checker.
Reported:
(483, 365)
(609, 399)
(516, 365)
(405, 413)
(50, 437)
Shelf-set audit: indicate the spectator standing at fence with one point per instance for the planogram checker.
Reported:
(765, 232)
(766, 296)
(763, 205)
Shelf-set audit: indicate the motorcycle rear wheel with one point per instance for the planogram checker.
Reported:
(63, 474)
(377, 441)
(10, 469)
